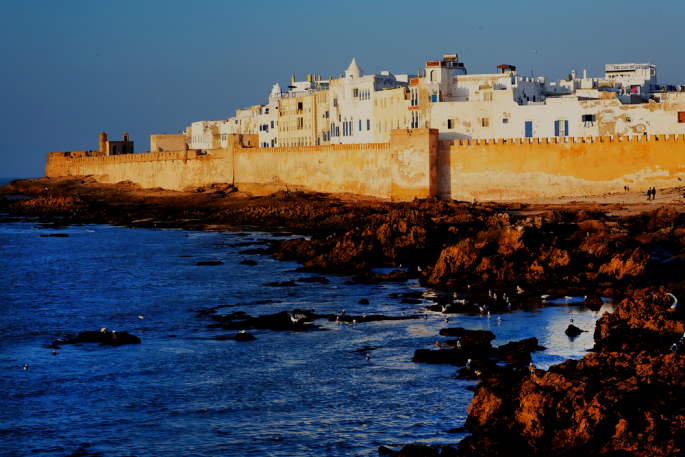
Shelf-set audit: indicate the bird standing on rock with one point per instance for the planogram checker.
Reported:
(674, 306)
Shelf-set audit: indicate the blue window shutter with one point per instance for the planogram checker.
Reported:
(566, 128)
(529, 129)
(556, 128)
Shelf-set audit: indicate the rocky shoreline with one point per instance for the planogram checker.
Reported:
(624, 398)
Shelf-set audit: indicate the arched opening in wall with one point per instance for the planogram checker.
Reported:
(432, 75)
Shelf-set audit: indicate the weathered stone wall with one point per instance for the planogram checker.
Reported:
(356, 168)
(413, 164)
(167, 142)
(526, 168)
(364, 169)
(176, 170)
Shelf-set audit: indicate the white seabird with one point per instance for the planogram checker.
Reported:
(675, 300)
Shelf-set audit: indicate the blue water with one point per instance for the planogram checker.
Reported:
(183, 393)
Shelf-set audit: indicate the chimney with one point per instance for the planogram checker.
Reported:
(292, 79)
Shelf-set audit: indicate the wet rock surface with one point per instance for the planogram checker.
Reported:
(625, 398)
(103, 336)
(295, 320)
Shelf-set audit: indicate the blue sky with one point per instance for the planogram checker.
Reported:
(74, 68)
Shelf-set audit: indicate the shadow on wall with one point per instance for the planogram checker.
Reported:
(444, 171)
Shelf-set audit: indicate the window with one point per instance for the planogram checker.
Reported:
(335, 102)
(300, 122)
(299, 106)
(487, 96)
(505, 120)
(561, 127)
(449, 124)
(355, 93)
(272, 124)
(360, 125)
(681, 117)
(368, 124)
(485, 122)
(588, 120)
(435, 98)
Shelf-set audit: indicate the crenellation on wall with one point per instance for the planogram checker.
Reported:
(415, 163)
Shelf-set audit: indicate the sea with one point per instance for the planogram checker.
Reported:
(182, 391)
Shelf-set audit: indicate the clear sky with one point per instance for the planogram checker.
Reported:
(73, 68)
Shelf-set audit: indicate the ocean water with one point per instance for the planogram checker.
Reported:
(181, 392)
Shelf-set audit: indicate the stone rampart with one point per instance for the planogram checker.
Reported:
(413, 164)
(527, 168)
(364, 169)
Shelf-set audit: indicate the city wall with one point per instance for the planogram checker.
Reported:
(414, 164)
(528, 168)
(399, 170)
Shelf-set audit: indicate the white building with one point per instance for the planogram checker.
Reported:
(359, 108)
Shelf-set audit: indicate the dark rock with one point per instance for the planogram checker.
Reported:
(248, 262)
(572, 331)
(440, 356)
(363, 301)
(104, 336)
(518, 352)
(469, 337)
(55, 235)
(593, 302)
(240, 336)
(297, 320)
(209, 263)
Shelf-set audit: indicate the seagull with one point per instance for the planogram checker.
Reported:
(297, 318)
(489, 315)
(675, 300)
(458, 343)
(519, 290)
(478, 373)
(438, 344)
(141, 317)
(531, 367)
(26, 367)
(468, 364)
(243, 331)
(367, 356)
(103, 330)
